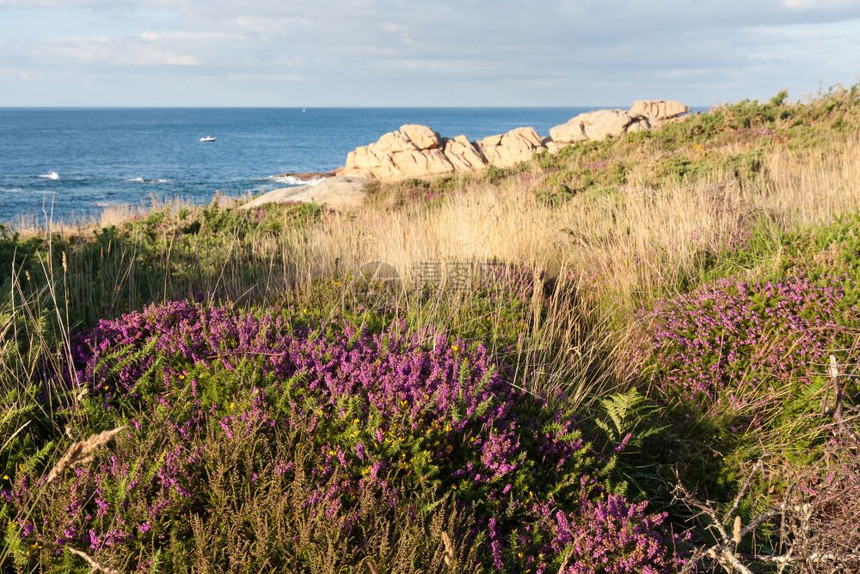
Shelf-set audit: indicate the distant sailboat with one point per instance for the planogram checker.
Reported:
(304, 110)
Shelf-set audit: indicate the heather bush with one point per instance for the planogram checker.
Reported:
(741, 368)
(256, 441)
(732, 343)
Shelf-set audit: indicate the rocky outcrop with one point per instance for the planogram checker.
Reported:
(411, 151)
(463, 154)
(507, 150)
(658, 112)
(418, 151)
(602, 124)
(598, 125)
(335, 191)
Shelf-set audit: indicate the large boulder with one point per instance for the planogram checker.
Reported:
(658, 111)
(420, 163)
(638, 125)
(421, 136)
(598, 125)
(411, 151)
(594, 126)
(370, 161)
(336, 191)
(463, 154)
(604, 124)
(571, 132)
(393, 142)
(509, 149)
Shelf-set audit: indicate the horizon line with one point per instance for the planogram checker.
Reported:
(407, 107)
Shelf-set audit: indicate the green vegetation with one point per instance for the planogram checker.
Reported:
(578, 365)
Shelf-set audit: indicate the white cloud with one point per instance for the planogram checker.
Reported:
(20, 75)
(174, 36)
(459, 51)
(812, 46)
(803, 5)
(400, 31)
(262, 77)
(106, 51)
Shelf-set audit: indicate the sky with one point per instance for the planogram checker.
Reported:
(421, 53)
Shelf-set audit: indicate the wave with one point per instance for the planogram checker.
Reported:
(292, 181)
(11, 190)
(147, 181)
(52, 175)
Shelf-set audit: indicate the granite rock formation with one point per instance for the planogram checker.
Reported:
(418, 151)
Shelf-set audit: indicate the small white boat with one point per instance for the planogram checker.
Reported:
(52, 175)
(207, 139)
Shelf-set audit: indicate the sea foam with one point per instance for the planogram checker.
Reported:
(292, 181)
(147, 181)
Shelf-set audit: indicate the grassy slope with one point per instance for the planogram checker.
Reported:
(757, 192)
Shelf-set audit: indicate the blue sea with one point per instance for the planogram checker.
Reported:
(71, 163)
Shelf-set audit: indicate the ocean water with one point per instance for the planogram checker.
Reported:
(71, 163)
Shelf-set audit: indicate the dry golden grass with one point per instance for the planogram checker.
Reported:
(82, 452)
(628, 245)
